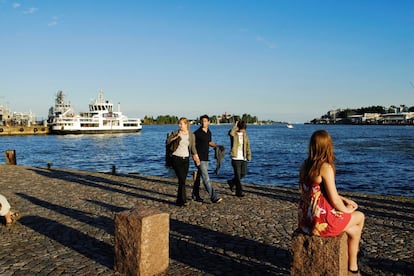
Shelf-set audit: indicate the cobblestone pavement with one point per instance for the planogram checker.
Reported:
(66, 226)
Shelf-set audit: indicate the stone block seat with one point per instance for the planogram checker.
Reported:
(313, 255)
(141, 242)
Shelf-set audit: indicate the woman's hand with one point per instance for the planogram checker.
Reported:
(350, 204)
(196, 160)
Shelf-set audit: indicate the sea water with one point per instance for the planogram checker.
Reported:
(369, 159)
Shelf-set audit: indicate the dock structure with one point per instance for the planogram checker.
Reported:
(67, 225)
(24, 130)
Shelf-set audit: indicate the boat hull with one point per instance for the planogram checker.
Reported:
(93, 131)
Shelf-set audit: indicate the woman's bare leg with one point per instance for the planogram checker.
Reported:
(8, 217)
(354, 231)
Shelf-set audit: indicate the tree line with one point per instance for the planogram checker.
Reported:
(171, 119)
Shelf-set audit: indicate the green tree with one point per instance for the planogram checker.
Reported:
(370, 109)
(167, 120)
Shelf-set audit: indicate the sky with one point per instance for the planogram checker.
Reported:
(282, 60)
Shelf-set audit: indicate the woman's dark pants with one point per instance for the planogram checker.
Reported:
(240, 169)
(181, 166)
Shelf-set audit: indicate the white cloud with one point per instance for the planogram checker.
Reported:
(30, 10)
(16, 5)
(53, 22)
(259, 39)
(264, 41)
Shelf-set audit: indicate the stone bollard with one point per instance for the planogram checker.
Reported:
(313, 255)
(10, 157)
(141, 241)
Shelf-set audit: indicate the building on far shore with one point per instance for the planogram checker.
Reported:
(391, 116)
(19, 123)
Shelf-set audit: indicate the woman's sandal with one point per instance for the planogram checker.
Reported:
(354, 272)
(14, 216)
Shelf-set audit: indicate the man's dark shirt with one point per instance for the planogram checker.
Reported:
(202, 143)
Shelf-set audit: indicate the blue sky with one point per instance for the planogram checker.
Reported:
(283, 60)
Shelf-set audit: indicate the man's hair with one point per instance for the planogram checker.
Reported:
(205, 116)
(241, 125)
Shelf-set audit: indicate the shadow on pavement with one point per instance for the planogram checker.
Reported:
(101, 183)
(101, 222)
(219, 253)
(86, 245)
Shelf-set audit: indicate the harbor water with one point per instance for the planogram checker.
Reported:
(370, 159)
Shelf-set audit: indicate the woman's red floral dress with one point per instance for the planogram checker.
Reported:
(316, 216)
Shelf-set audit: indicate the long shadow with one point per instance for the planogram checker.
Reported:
(101, 222)
(385, 200)
(377, 207)
(171, 182)
(398, 267)
(218, 253)
(385, 214)
(236, 254)
(88, 246)
(110, 207)
(395, 228)
(93, 181)
(274, 193)
(70, 176)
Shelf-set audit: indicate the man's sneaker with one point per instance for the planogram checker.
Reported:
(219, 199)
(197, 198)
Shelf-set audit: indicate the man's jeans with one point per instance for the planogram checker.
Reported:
(202, 175)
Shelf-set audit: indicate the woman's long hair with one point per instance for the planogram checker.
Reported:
(321, 150)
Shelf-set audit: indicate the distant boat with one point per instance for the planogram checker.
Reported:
(289, 125)
(99, 119)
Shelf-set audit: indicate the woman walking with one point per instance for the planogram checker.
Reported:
(185, 146)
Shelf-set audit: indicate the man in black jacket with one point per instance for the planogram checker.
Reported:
(203, 144)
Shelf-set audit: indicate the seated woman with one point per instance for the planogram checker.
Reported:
(322, 211)
(8, 215)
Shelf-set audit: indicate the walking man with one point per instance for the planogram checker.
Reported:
(203, 144)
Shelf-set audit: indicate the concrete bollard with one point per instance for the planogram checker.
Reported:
(314, 255)
(141, 242)
(10, 157)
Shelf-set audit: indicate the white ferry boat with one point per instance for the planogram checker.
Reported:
(101, 118)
